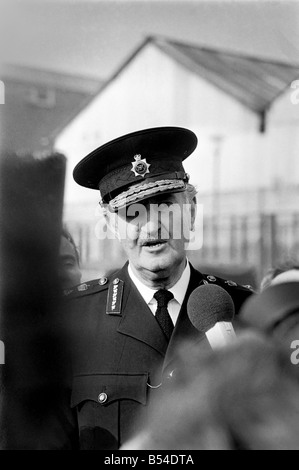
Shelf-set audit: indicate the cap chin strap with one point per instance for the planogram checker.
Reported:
(140, 191)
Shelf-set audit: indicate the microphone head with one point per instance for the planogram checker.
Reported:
(210, 304)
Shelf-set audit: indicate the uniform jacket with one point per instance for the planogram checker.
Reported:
(120, 355)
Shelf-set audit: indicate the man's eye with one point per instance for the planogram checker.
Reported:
(69, 264)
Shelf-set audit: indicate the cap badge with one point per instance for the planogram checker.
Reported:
(140, 167)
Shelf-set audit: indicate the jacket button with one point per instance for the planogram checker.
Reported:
(102, 398)
(231, 283)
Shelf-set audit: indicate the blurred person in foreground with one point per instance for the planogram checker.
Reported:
(127, 327)
(274, 312)
(34, 391)
(275, 309)
(242, 397)
(69, 261)
(287, 272)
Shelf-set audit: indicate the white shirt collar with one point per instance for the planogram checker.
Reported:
(178, 290)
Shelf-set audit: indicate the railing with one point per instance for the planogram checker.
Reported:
(259, 241)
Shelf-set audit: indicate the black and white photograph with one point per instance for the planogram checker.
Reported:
(149, 227)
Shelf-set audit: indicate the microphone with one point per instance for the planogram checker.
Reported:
(211, 310)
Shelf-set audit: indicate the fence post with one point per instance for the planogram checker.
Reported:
(273, 237)
(295, 235)
(269, 247)
(215, 235)
(263, 245)
(80, 244)
(87, 244)
(233, 238)
(244, 238)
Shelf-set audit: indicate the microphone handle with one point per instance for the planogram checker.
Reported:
(221, 335)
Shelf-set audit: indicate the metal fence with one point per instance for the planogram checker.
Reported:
(259, 241)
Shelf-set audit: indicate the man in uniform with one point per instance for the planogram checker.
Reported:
(126, 329)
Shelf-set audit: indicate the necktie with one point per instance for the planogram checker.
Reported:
(162, 297)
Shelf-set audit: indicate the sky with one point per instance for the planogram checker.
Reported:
(92, 38)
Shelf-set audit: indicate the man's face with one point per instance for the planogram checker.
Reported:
(69, 271)
(154, 233)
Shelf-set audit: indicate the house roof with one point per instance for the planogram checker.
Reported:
(39, 104)
(252, 81)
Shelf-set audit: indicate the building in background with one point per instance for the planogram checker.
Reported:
(39, 104)
(246, 165)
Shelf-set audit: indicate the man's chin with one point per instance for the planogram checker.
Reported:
(158, 264)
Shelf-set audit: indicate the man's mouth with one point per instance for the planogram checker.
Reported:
(151, 243)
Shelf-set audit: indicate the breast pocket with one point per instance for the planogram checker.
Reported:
(107, 406)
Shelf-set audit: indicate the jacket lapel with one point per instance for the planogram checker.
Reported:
(137, 318)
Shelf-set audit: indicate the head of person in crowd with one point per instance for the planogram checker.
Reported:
(241, 397)
(275, 312)
(287, 272)
(147, 199)
(69, 261)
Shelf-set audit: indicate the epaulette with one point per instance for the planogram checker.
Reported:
(87, 288)
(210, 279)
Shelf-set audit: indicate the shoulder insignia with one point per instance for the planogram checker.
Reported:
(114, 299)
(208, 278)
(82, 287)
(231, 283)
(67, 292)
(102, 281)
(87, 288)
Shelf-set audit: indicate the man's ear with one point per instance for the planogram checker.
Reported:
(193, 213)
(112, 222)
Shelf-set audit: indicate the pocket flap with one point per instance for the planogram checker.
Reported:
(106, 388)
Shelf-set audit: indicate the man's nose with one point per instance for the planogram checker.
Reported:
(151, 223)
